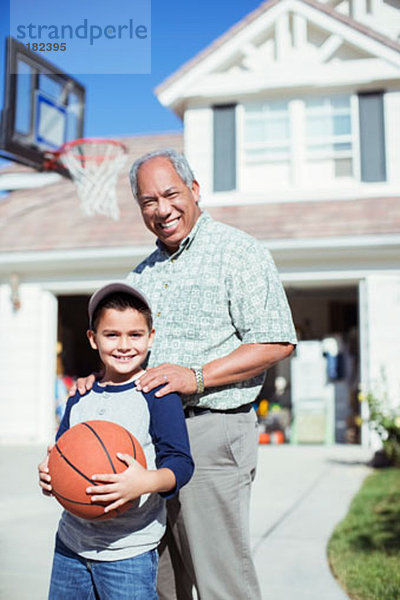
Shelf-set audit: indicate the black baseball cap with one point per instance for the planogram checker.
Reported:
(112, 288)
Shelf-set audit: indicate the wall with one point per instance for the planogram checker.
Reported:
(380, 327)
(198, 126)
(27, 358)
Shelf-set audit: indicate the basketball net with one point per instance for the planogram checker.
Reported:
(94, 165)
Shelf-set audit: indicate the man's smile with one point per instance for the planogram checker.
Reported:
(170, 224)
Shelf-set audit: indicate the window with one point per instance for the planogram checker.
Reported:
(300, 141)
(329, 141)
(266, 145)
(267, 132)
(311, 142)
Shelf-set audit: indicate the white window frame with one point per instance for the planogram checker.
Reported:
(326, 142)
(275, 151)
(297, 154)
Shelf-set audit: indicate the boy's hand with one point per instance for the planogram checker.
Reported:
(129, 485)
(82, 385)
(119, 488)
(174, 378)
(44, 477)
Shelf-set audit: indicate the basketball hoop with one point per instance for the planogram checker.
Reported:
(94, 165)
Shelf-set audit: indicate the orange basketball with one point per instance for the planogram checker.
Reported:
(85, 450)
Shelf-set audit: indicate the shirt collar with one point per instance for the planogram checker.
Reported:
(187, 241)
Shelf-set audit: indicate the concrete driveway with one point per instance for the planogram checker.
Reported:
(300, 493)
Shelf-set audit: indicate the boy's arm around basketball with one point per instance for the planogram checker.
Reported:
(129, 485)
(173, 459)
(126, 486)
(174, 462)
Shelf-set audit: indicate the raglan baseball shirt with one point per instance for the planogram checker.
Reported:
(159, 426)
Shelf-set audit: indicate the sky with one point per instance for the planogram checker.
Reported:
(125, 104)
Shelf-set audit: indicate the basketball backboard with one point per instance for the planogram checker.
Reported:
(43, 107)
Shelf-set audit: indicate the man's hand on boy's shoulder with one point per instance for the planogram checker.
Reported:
(82, 385)
(44, 476)
(173, 378)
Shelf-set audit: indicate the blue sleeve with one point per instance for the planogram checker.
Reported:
(64, 425)
(170, 438)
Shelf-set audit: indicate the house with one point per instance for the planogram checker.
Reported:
(291, 124)
(291, 121)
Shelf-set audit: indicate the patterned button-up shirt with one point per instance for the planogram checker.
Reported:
(219, 290)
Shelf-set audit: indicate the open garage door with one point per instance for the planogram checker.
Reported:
(316, 390)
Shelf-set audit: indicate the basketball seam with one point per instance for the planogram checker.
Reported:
(77, 501)
(132, 442)
(115, 511)
(102, 444)
(74, 467)
(97, 435)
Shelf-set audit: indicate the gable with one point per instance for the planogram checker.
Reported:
(290, 43)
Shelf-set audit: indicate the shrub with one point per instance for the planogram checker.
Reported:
(385, 420)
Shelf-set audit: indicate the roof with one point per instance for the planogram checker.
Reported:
(49, 218)
(313, 219)
(255, 14)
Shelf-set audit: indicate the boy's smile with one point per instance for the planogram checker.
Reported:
(122, 339)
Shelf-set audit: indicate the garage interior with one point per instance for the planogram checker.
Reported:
(312, 396)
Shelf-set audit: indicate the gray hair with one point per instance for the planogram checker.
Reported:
(178, 161)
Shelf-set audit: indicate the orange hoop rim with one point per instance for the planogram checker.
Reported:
(53, 157)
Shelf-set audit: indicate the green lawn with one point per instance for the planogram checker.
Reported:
(364, 550)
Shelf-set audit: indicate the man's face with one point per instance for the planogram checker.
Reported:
(169, 208)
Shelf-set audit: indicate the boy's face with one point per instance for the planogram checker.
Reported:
(122, 339)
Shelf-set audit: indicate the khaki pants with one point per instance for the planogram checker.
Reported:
(207, 544)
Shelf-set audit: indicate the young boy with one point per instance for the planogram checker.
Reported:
(117, 558)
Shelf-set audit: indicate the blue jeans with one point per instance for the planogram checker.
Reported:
(76, 578)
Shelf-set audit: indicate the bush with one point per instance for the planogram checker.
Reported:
(386, 422)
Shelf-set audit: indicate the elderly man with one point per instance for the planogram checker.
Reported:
(221, 319)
